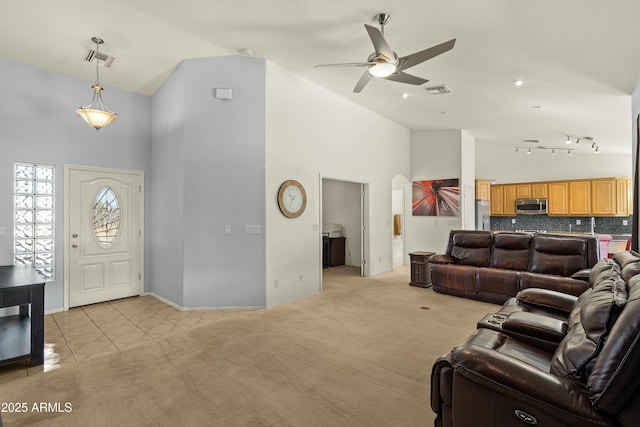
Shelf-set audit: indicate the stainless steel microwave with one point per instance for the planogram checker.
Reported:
(531, 206)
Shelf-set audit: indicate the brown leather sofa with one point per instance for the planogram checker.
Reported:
(589, 377)
(493, 267)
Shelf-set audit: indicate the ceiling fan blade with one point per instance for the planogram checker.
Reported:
(364, 79)
(346, 64)
(419, 57)
(379, 43)
(406, 78)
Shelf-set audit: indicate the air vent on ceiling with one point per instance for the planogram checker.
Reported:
(90, 54)
(437, 90)
(532, 141)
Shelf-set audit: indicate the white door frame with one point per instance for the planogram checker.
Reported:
(67, 239)
(364, 218)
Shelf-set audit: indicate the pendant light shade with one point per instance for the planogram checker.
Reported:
(96, 114)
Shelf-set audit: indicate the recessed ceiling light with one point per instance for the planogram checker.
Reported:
(518, 82)
(405, 95)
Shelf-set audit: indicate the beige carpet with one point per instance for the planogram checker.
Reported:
(359, 354)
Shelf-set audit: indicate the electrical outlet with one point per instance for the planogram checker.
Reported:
(301, 277)
(227, 229)
(179, 285)
(624, 222)
(513, 220)
(578, 222)
(275, 284)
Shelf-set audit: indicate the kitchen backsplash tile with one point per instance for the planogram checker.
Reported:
(604, 225)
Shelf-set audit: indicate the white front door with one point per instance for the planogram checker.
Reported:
(104, 234)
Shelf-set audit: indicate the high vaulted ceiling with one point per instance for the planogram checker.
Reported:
(579, 59)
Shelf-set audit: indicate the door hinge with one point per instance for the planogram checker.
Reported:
(139, 188)
(139, 276)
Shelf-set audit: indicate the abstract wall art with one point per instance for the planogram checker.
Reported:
(437, 197)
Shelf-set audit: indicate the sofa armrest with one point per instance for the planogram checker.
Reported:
(442, 259)
(565, 398)
(536, 325)
(582, 274)
(546, 298)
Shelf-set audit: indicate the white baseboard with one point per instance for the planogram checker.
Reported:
(180, 308)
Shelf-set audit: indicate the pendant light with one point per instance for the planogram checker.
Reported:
(96, 114)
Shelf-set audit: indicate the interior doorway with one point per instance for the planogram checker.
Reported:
(104, 211)
(398, 210)
(344, 220)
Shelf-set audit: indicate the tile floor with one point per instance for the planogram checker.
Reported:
(85, 332)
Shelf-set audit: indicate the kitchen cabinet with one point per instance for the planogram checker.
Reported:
(509, 199)
(604, 197)
(483, 189)
(558, 194)
(624, 197)
(539, 190)
(497, 204)
(580, 197)
(523, 191)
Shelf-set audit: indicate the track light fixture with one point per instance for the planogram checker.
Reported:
(530, 150)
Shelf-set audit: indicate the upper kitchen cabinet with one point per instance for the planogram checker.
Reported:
(624, 197)
(604, 197)
(539, 190)
(497, 200)
(558, 194)
(580, 197)
(523, 191)
(483, 189)
(509, 202)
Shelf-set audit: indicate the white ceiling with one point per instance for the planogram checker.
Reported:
(579, 59)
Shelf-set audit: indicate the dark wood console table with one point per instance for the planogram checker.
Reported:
(420, 268)
(22, 335)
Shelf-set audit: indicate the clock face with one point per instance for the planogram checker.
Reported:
(292, 199)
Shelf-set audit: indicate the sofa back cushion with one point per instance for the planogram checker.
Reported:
(614, 379)
(559, 255)
(511, 251)
(470, 247)
(629, 262)
(590, 321)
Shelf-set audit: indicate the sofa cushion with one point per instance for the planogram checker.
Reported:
(511, 251)
(629, 262)
(614, 378)
(471, 248)
(559, 255)
(591, 319)
(566, 285)
(602, 270)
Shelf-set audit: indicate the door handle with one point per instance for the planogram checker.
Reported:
(74, 246)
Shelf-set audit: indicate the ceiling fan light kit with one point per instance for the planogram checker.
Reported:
(384, 63)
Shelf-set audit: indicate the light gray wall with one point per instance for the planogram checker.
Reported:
(219, 146)
(165, 229)
(38, 124)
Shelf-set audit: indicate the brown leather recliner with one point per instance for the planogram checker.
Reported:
(590, 378)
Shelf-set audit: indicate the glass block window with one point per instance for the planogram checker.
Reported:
(106, 218)
(34, 218)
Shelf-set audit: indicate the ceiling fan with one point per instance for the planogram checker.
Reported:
(385, 64)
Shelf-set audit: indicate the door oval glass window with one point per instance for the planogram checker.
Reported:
(106, 218)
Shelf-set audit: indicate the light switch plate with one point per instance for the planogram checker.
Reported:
(3, 232)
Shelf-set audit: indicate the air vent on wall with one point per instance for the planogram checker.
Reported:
(90, 54)
(437, 90)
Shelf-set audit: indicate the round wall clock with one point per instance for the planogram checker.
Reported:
(292, 199)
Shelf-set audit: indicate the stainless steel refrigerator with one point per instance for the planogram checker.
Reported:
(483, 215)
